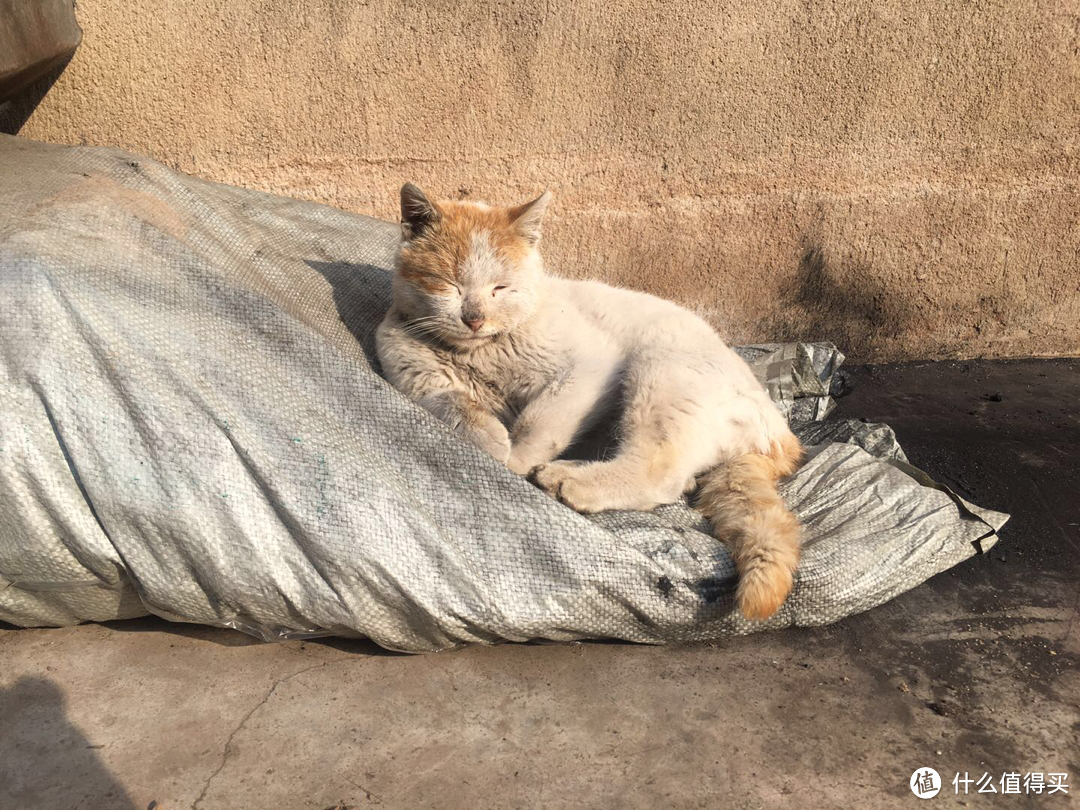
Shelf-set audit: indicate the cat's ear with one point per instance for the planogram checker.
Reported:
(418, 213)
(527, 218)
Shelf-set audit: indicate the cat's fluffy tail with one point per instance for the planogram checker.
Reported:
(741, 503)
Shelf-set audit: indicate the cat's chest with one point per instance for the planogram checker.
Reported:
(507, 375)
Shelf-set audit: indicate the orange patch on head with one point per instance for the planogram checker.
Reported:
(434, 258)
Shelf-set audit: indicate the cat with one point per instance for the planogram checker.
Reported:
(522, 363)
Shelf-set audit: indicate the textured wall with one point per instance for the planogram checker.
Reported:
(900, 176)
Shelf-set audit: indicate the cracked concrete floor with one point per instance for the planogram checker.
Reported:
(976, 670)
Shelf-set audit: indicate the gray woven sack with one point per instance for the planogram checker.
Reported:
(191, 426)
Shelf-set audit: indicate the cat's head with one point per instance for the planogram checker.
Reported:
(466, 271)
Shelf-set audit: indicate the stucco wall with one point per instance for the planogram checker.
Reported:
(900, 177)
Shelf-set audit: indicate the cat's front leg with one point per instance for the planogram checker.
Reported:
(493, 438)
(564, 410)
(523, 458)
(468, 418)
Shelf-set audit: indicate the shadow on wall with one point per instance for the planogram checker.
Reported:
(16, 111)
(854, 311)
(45, 760)
(359, 290)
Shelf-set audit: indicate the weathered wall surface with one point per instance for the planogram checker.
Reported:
(900, 176)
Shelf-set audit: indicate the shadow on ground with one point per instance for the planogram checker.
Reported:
(43, 748)
(227, 637)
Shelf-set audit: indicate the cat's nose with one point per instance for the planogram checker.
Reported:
(474, 323)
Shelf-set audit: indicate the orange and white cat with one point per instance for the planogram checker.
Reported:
(522, 362)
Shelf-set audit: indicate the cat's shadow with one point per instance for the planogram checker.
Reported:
(362, 294)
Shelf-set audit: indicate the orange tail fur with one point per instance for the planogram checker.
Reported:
(740, 501)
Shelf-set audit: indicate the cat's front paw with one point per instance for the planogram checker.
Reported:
(523, 461)
(493, 439)
(519, 466)
(565, 481)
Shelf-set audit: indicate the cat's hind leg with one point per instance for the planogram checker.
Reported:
(664, 442)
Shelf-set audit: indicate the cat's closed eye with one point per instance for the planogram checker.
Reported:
(497, 288)
(444, 286)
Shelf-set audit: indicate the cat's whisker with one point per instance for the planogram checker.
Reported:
(422, 326)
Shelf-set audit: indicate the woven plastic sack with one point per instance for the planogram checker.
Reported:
(191, 426)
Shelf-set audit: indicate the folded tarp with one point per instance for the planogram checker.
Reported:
(192, 425)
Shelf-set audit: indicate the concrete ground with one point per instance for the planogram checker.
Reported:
(975, 671)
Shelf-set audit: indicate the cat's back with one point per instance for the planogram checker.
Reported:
(638, 318)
